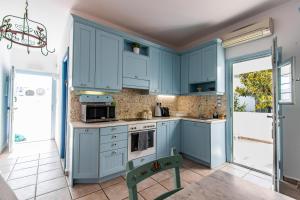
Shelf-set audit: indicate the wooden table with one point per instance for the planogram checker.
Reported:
(223, 186)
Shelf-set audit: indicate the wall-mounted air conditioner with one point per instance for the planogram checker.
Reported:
(248, 33)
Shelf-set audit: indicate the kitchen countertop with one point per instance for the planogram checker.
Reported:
(153, 120)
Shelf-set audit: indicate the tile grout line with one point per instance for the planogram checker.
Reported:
(36, 180)
(12, 170)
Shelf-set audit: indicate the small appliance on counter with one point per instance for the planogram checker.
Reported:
(157, 112)
(165, 112)
(97, 108)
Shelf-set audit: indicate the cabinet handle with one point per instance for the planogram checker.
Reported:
(114, 145)
(114, 136)
(114, 152)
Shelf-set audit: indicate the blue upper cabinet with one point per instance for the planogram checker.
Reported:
(209, 63)
(136, 70)
(176, 75)
(155, 70)
(184, 76)
(195, 66)
(84, 56)
(109, 50)
(206, 66)
(166, 73)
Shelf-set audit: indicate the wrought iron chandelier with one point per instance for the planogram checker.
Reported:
(24, 32)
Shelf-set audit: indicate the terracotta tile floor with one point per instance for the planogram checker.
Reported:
(36, 173)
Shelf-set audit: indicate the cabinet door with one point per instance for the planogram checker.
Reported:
(174, 135)
(154, 70)
(191, 139)
(108, 61)
(204, 142)
(136, 66)
(184, 74)
(209, 63)
(166, 73)
(176, 75)
(162, 144)
(86, 153)
(112, 162)
(195, 67)
(84, 56)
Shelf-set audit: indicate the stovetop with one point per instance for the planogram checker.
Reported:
(134, 119)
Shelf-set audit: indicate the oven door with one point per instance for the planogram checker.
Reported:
(134, 144)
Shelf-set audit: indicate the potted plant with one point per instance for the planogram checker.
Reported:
(136, 47)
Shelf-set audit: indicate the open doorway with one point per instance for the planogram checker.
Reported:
(252, 114)
(32, 106)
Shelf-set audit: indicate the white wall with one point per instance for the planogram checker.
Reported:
(287, 28)
(34, 61)
(252, 125)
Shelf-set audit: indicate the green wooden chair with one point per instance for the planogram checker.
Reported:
(136, 175)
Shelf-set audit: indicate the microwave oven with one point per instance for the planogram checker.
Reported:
(98, 112)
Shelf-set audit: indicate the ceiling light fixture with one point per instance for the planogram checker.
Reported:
(24, 32)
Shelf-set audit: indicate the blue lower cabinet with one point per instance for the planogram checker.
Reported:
(204, 142)
(162, 139)
(113, 162)
(167, 137)
(86, 153)
(174, 135)
(143, 160)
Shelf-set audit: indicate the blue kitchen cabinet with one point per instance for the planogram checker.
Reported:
(195, 66)
(191, 139)
(206, 66)
(84, 65)
(204, 142)
(112, 162)
(166, 72)
(136, 70)
(184, 76)
(109, 50)
(176, 75)
(174, 135)
(209, 63)
(113, 150)
(162, 139)
(86, 153)
(155, 70)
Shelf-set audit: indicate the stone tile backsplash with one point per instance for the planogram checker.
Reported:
(130, 103)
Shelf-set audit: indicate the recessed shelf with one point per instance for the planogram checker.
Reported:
(202, 87)
(144, 50)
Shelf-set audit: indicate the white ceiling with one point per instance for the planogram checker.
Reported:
(174, 22)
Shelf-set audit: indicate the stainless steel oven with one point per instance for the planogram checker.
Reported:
(141, 140)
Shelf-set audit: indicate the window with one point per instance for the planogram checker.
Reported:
(286, 84)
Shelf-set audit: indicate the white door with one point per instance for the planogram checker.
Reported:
(283, 91)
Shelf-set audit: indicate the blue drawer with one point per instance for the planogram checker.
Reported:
(113, 146)
(113, 138)
(113, 130)
(143, 160)
(86, 130)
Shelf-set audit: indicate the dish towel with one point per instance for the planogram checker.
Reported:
(143, 141)
(6, 193)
